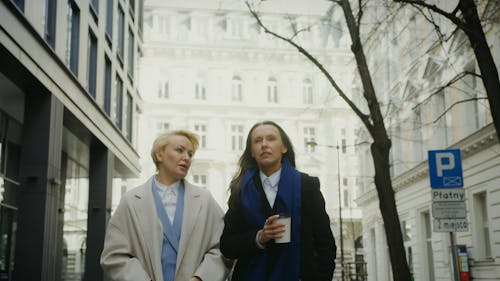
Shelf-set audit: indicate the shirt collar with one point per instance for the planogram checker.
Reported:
(164, 188)
(274, 178)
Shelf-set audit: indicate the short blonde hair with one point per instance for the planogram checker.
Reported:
(163, 139)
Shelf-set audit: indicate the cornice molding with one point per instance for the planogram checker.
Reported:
(471, 145)
(252, 54)
(474, 143)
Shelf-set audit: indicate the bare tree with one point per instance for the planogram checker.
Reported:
(465, 17)
(374, 123)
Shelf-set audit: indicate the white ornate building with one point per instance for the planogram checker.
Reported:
(408, 66)
(207, 66)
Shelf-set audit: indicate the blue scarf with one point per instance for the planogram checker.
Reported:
(288, 200)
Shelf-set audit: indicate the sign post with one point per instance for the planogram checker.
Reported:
(448, 196)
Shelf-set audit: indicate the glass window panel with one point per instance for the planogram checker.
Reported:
(130, 66)
(107, 86)
(118, 102)
(121, 33)
(73, 37)
(109, 19)
(75, 167)
(92, 64)
(49, 13)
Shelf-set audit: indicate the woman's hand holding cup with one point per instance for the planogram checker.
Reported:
(271, 229)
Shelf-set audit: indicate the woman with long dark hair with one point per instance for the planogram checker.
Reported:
(266, 188)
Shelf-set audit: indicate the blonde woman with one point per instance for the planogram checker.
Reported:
(166, 229)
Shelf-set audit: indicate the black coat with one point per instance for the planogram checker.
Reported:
(317, 247)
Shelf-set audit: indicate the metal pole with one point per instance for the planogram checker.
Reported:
(340, 217)
(454, 257)
(313, 144)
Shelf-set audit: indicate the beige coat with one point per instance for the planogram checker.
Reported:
(133, 243)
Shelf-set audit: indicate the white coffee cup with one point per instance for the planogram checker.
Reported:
(287, 220)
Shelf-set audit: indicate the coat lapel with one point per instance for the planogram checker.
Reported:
(144, 208)
(192, 205)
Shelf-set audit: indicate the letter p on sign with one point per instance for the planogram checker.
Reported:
(442, 164)
(445, 168)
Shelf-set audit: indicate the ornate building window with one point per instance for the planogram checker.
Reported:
(200, 90)
(237, 138)
(163, 89)
(309, 136)
(272, 90)
(200, 180)
(201, 131)
(481, 226)
(307, 92)
(236, 89)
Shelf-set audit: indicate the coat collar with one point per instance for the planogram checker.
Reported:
(152, 229)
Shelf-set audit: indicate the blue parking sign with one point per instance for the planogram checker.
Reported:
(445, 168)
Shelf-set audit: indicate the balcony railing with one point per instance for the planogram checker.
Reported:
(353, 271)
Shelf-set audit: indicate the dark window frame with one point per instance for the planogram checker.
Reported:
(107, 85)
(92, 64)
(94, 9)
(49, 33)
(131, 9)
(131, 49)
(119, 102)
(74, 45)
(19, 4)
(120, 49)
(130, 111)
(109, 22)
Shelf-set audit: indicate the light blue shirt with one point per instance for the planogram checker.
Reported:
(270, 185)
(168, 194)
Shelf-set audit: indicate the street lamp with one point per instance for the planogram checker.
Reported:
(314, 144)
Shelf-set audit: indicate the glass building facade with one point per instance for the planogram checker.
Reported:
(61, 149)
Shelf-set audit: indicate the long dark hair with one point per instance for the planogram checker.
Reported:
(247, 161)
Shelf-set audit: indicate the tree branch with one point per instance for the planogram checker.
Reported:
(451, 16)
(431, 21)
(364, 117)
(455, 103)
(360, 15)
(452, 34)
(294, 26)
(451, 82)
(490, 10)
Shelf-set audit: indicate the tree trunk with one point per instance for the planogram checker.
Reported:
(380, 151)
(489, 73)
(387, 205)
